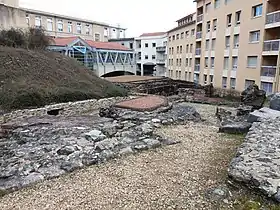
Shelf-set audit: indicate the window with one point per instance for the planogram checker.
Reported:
(180, 74)
(187, 34)
(190, 76)
(131, 45)
(87, 29)
(192, 32)
(232, 83)
(172, 50)
(226, 63)
(154, 45)
(190, 63)
(207, 7)
(181, 49)
(205, 79)
(252, 61)
(206, 62)
(153, 57)
(208, 26)
(196, 78)
(191, 48)
(215, 21)
(106, 32)
(27, 19)
(267, 86)
(177, 36)
(213, 44)
(211, 79)
(236, 41)
(170, 38)
(212, 62)
(146, 57)
(227, 43)
(224, 82)
(79, 28)
(229, 20)
(60, 25)
(49, 24)
(177, 62)
(248, 83)
(38, 21)
(255, 36)
(122, 44)
(217, 4)
(146, 45)
(207, 43)
(173, 37)
(187, 48)
(187, 62)
(234, 63)
(257, 10)
(237, 18)
(180, 62)
(97, 37)
(227, 1)
(182, 35)
(70, 28)
(178, 49)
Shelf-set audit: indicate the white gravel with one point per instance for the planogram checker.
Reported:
(172, 177)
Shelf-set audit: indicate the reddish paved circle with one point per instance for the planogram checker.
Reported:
(146, 103)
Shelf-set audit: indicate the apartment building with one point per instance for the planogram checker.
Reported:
(151, 53)
(56, 25)
(181, 53)
(236, 44)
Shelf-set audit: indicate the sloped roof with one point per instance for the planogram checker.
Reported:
(107, 45)
(153, 34)
(64, 41)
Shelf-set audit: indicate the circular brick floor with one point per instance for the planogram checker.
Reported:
(146, 103)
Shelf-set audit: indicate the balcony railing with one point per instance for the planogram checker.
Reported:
(268, 71)
(198, 51)
(199, 18)
(197, 68)
(161, 49)
(199, 35)
(161, 61)
(273, 17)
(271, 45)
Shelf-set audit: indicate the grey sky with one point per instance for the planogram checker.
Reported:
(137, 16)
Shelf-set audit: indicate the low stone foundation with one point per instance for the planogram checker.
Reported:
(257, 160)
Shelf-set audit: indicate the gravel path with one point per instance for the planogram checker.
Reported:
(172, 177)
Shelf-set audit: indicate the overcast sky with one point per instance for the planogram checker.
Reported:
(137, 16)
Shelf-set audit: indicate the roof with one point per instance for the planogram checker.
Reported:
(107, 45)
(64, 41)
(182, 26)
(153, 34)
(121, 39)
(189, 15)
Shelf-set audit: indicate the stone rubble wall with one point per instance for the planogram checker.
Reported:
(257, 160)
(69, 108)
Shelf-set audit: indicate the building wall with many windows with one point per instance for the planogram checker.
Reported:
(58, 25)
(236, 44)
(181, 49)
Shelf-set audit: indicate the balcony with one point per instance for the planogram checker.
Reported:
(268, 73)
(273, 20)
(197, 51)
(197, 68)
(161, 49)
(199, 18)
(199, 35)
(271, 47)
(161, 61)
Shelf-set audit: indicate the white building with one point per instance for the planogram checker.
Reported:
(151, 53)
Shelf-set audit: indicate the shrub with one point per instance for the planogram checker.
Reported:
(33, 38)
(115, 91)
